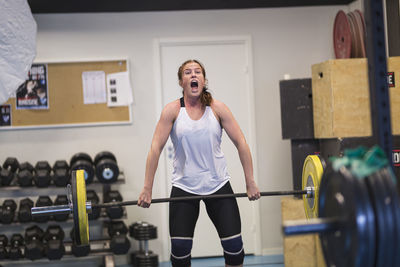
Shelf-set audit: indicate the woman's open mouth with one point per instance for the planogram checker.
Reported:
(194, 84)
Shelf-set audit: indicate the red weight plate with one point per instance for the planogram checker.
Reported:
(353, 38)
(357, 40)
(361, 26)
(342, 36)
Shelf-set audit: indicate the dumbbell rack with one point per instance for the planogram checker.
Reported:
(100, 246)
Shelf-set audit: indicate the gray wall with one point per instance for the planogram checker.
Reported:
(285, 41)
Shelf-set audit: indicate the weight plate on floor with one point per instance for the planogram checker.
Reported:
(81, 222)
(380, 199)
(312, 173)
(343, 196)
(342, 36)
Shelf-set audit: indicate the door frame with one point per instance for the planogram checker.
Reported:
(245, 40)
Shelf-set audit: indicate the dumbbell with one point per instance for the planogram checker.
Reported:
(113, 212)
(143, 231)
(24, 212)
(94, 199)
(7, 173)
(54, 237)
(34, 248)
(61, 200)
(78, 250)
(82, 161)
(3, 247)
(119, 244)
(106, 166)
(61, 175)
(25, 174)
(16, 243)
(42, 177)
(8, 211)
(42, 201)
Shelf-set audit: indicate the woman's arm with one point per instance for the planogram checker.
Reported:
(234, 132)
(160, 137)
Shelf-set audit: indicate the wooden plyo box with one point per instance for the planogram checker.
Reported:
(302, 250)
(341, 106)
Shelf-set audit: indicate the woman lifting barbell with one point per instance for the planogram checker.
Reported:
(195, 124)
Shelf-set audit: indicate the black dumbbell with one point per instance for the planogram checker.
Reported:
(8, 211)
(24, 212)
(25, 174)
(78, 250)
(3, 247)
(54, 237)
(94, 199)
(7, 173)
(16, 243)
(43, 201)
(61, 175)
(106, 166)
(143, 231)
(34, 248)
(114, 212)
(119, 243)
(42, 177)
(61, 200)
(82, 161)
(148, 259)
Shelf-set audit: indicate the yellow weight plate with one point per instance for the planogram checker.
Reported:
(312, 173)
(81, 202)
(81, 224)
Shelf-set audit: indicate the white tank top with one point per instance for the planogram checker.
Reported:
(199, 164)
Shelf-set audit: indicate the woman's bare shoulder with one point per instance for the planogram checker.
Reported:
(171, 110)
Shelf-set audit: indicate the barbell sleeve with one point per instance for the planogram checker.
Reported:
(55, 210)
(311, 226)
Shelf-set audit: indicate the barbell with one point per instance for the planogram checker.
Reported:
(79, 207)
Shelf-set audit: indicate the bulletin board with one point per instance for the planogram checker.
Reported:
(66, 99)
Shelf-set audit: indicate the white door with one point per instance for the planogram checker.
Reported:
(227, 70)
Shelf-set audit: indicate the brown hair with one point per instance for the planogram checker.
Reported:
(205, 97)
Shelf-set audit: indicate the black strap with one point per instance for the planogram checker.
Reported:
(182, 102)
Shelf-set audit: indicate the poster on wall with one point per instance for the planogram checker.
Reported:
(33, 93)
(5, 115)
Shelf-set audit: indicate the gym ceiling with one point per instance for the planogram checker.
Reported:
(88, 6)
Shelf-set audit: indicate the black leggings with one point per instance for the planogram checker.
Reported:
(223, 212)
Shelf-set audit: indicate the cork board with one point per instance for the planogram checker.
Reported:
(65, 97)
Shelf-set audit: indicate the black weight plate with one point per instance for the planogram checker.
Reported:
(383, 220)
(80, 156)
(107, 171)
(386, 176)
(343, 196)
(87, 167)
(104, 155)
(146, 260)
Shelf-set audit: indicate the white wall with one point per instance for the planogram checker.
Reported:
(285, 41)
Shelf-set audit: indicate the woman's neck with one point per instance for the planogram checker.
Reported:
(192, 102)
